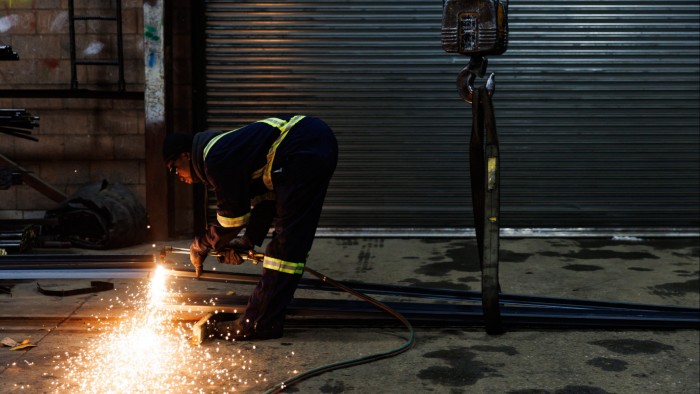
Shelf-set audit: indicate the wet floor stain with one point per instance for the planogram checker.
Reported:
(676, 289)
(686, 273)
(632, 346)
(572, 389)
(608, 364)
(463, 257)
(333, 386)
(509, 350)
(603, 254)
(582, 267)
(507, 256)
(674, 243)
(640, 269)
(463, 369)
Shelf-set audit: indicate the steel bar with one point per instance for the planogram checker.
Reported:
(523, 311)
(49, 259)
(436, 293)
(35, 182)
(68, 266)
(462, 315)
(80, 273)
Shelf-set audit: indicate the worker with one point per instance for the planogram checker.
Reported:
(273, 173)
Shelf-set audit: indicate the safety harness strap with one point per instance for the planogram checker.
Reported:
(284, 127)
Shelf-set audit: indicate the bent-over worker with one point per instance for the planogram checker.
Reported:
(276, 170)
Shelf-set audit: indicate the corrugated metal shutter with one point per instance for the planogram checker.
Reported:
(597, 106)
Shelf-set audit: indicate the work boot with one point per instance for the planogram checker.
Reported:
(243, 329)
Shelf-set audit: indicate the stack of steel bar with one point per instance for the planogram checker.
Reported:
(442, 307)
(458, 308)
(17, 238)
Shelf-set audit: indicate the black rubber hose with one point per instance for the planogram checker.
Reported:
(278, 388)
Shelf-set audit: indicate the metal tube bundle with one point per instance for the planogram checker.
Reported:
(448, 307)
(517, 311)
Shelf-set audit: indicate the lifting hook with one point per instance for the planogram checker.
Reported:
(465, 80)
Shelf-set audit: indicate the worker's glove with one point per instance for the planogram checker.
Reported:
(237, 247)
(198, 253)
(229, 256)
(242, 245)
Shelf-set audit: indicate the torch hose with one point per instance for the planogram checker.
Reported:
(278, 388)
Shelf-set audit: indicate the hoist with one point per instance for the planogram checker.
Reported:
(477, 28)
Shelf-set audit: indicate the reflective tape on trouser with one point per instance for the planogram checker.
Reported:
(283, 266)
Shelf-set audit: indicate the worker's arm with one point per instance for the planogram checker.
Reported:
(260, 221)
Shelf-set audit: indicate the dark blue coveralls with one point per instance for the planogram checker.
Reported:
(274, 170)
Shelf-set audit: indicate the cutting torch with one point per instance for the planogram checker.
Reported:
(249, 255)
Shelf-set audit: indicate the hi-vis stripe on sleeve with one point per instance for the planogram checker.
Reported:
(233, 222)
(283, 266)
(284, 127)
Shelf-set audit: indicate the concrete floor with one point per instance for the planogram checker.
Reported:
(76, 344)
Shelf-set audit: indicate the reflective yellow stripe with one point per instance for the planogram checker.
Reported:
(258, 173)
(213, 141)
(233, 222)
(274, 122)
(283, 266)
(284, 128)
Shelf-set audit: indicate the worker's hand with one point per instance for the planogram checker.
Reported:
(229, 256)
(242, 244)
(198, 253)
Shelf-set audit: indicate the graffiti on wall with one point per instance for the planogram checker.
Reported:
(153, 51)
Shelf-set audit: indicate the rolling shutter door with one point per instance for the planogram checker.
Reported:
(597, 107)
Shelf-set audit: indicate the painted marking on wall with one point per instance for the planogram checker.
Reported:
(153, 58)
(60, 22)
(94, 48)
(6, 22)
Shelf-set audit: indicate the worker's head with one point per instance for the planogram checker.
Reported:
(177, 155)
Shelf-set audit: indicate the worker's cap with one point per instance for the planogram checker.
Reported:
(176, 143)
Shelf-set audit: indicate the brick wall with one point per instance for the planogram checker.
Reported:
(81, 140)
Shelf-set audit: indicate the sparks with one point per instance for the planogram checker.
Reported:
(146, 353)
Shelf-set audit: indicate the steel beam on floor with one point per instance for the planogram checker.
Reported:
(436, 293)
(452, 315)
(74, 266)
(517, 310)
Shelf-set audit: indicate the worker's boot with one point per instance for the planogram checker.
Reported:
(243, 329)
(265, 313)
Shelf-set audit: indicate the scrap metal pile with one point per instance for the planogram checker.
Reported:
(18, 123)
